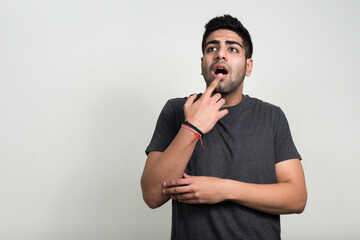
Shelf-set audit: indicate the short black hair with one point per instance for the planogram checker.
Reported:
(230, 23)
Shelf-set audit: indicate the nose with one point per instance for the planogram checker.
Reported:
(221, 54)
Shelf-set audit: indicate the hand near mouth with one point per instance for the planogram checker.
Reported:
(205, 112)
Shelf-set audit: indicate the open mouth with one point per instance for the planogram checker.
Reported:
(220, 68)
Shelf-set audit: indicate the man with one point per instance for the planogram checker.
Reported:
(232, 168)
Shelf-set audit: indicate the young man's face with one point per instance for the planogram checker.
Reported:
(224, 53)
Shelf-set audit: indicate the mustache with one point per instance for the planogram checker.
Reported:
(220, 62)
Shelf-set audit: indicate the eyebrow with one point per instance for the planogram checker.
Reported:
(227, 42)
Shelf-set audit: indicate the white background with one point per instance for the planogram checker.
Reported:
(82, 84)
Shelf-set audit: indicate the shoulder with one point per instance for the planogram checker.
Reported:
(251, 102)
(174, 105)
(260, 105)
(173, 111)
(176, 102)
(265, 111)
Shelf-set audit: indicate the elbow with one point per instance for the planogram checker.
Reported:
(152, 198)
(151, 203)
(295, 205)
(294, 208)
(153, 206)
(152, 195)
(299, 207)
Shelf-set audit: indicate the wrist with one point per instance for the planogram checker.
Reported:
(231, 190)
(197, 133)
(188, 124)
(188, 135)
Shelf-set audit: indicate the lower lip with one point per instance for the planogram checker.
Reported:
(223, 76)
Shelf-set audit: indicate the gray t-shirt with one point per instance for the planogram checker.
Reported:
(245, 145)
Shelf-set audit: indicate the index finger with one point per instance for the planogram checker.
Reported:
(177, 190)
(210, 89)
(177, 182)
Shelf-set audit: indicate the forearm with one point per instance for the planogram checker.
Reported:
(168, 165)
(280, 198)
(171, 164)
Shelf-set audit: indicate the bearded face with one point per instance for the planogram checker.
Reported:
(224, 53)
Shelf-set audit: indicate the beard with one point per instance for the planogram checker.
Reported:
(228, 85)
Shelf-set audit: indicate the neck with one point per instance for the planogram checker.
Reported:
(235, 97)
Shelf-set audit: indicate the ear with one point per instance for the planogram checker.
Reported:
(201, 65)
(249, 66)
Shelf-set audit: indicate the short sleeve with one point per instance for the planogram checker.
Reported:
(283, 143)
(167, 127)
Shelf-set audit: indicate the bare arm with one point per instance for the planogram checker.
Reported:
(288, 195)
(171, 164)
(163, 166)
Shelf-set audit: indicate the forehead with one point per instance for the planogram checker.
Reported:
(223, 35)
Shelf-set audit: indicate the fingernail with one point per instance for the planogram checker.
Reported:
(220, 75)
(164, 184)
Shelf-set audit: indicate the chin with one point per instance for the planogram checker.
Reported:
(222, 91)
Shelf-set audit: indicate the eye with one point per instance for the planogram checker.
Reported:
(211, 49)
(233, 50)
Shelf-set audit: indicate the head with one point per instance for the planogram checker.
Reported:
(227, 49)
(230, 23)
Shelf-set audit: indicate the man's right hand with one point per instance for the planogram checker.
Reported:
(205, 112)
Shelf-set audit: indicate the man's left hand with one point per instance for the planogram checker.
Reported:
(195, 189)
